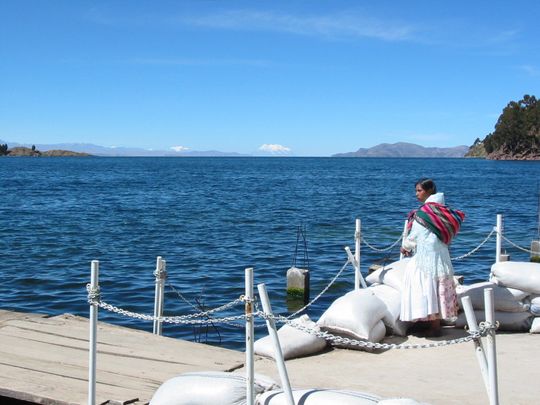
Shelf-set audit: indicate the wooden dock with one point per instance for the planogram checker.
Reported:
(45, 360)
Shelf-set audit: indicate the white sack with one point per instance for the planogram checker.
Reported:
(535, 300)
(293, 342)
(208, 388)
(535, 327)
(508, 321)
(521, 275)
(391, 274)
(506, 299)
(318, 397)
(392, 299)
(356, 315)
(535, 305)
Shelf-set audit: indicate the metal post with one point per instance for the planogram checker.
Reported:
(356, 265)
(403, 236)
(161, 275)
(92, 340)
(357, 243)
(271, 325)
(478, 348)
(491, 347)
(250, 367)
(498, 246)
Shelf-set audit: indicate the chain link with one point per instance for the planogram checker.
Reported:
(515, 245)
(476, 248)
(381, 249)
(484, 329)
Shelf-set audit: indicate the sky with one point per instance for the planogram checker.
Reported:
(302, 78)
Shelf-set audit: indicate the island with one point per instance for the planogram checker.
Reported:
(33, 152)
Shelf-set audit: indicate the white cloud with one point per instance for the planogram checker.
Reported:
(336, 25)
(274, 148)
(179, 148)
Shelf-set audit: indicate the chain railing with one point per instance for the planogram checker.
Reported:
(484, 329)
(473, 251)
(516, 245)
(385, 249)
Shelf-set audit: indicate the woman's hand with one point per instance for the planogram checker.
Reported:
(404, 251)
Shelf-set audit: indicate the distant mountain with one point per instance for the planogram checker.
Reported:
(98, 150)
(404, 149)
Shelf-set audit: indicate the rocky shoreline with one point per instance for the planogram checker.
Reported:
(29, 152)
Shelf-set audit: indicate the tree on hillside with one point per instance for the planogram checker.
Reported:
(518, 128)
(3, 149)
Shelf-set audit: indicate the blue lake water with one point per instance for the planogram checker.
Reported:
(210, 218)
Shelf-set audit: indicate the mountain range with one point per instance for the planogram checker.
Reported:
(399, 149)
(404, 149)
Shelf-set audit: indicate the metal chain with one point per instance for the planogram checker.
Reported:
(381, 249)
(484, 329)
(514, 245)
(476, 248)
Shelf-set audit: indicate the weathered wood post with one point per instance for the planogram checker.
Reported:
(92, 340)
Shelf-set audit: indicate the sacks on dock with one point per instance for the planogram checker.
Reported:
(392, 299)
(357, 315)
(535, 305)
(317, 396)
(391, 274)
(209, 388)
(521, 275)
(505, 298)
(293, 342)
(535, 326)
(508, 321)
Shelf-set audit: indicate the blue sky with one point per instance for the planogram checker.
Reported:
(310, 78)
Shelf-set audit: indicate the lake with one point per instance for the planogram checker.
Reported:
(210, 218)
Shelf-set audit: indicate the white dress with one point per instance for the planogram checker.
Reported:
(428, 291)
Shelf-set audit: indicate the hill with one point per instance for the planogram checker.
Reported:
(516, 135)
(404, 149)
(23, 151)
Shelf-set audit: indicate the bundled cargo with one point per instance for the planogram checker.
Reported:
(357, 315)
(293, 342)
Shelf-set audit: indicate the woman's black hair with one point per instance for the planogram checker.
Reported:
(427, 185)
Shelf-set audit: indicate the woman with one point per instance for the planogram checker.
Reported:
(428, 287)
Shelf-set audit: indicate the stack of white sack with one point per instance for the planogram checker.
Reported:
(524, 276)
(317, 396)
(209, 388)
(293, 341)
(386, 283)
(357, 315)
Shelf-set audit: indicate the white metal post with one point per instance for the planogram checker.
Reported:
(271, 325)
(250, 367)
(403, 236)
(161, 274)
(498, 246)
(92, 339)
(478, 348)
(356, 265)
(491, 347)
(357, 243)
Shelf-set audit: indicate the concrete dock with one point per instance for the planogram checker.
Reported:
(45, 360)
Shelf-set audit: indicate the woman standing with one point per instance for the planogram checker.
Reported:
(428, 287)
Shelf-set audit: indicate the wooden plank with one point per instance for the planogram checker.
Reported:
(46, 359)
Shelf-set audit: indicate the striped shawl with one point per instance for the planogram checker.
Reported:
(439, 219)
